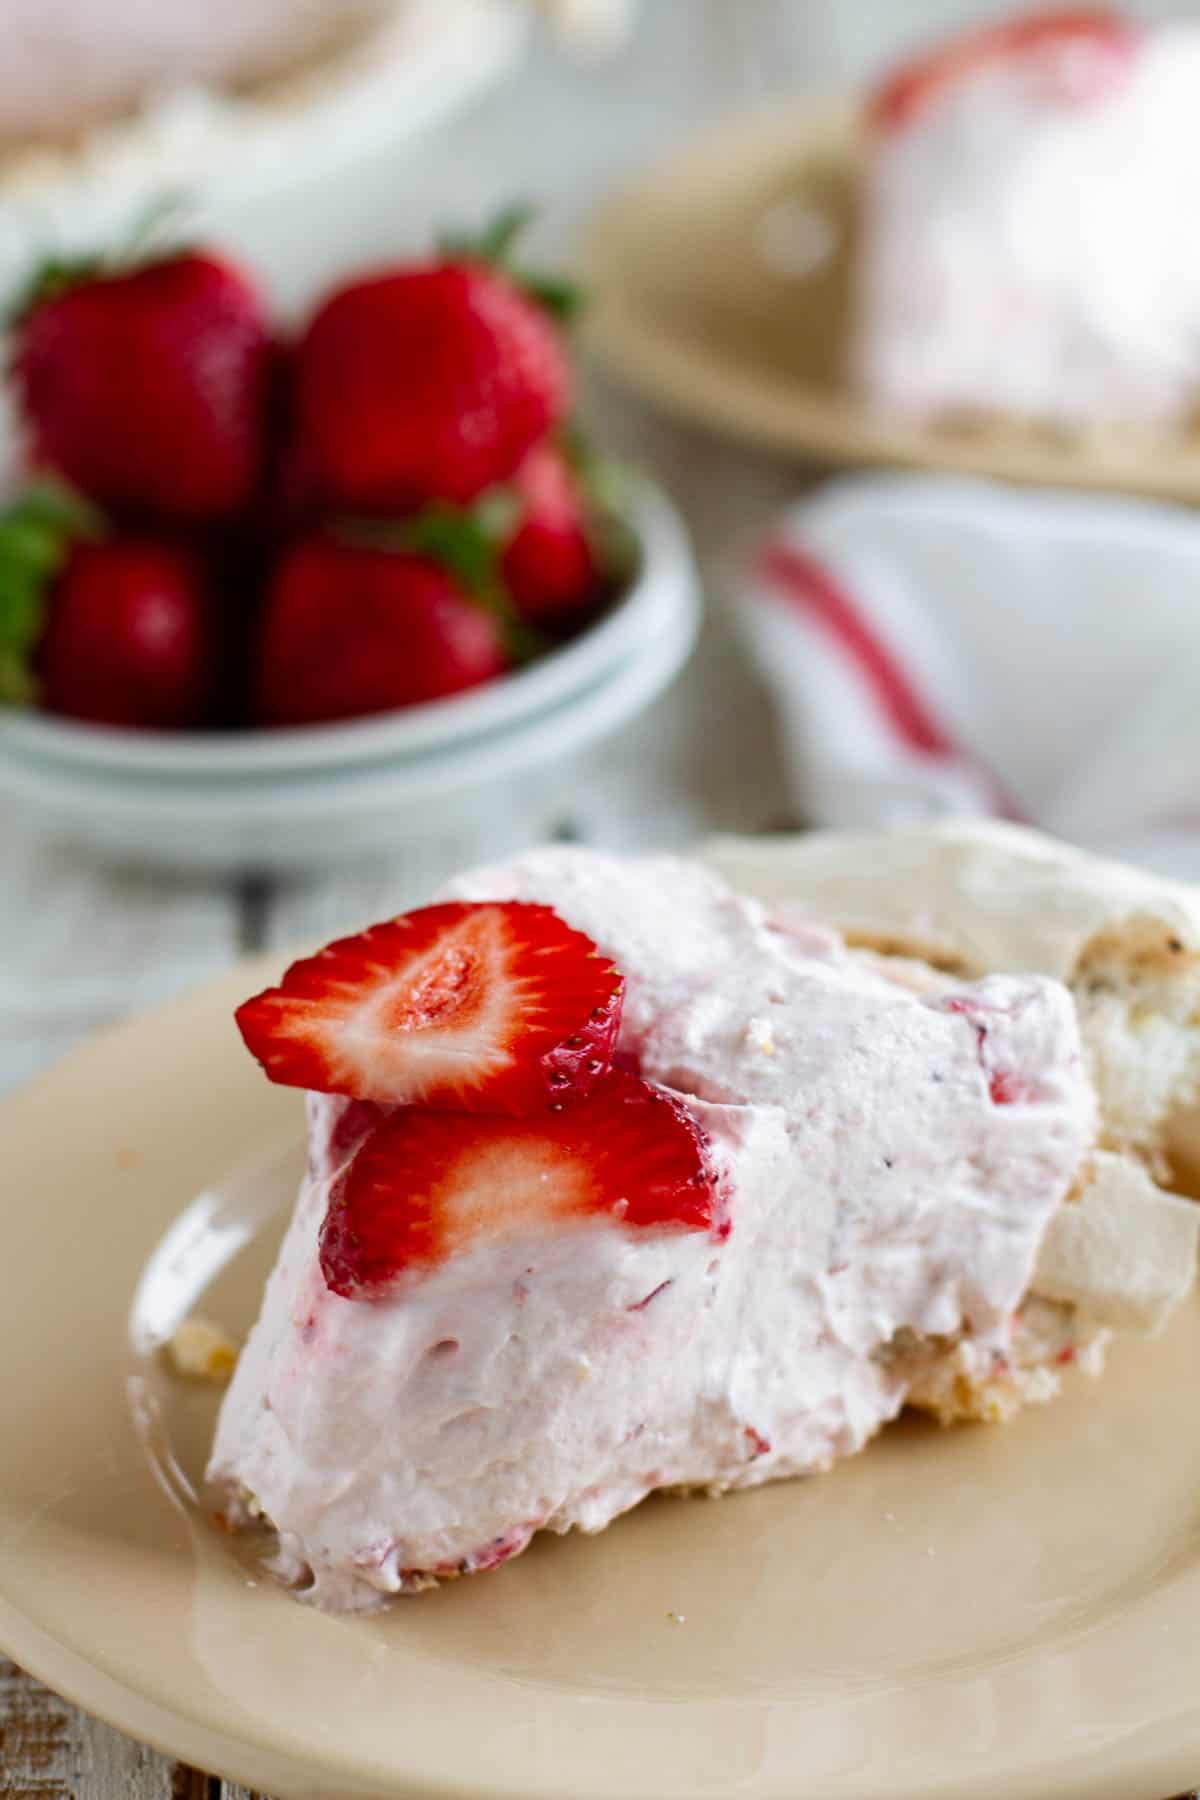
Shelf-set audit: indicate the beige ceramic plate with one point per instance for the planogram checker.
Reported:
(1003, 1612)
(721, 284)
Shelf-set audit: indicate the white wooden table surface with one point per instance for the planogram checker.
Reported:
(81, 943)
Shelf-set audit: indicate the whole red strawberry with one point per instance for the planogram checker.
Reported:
(429, 382)
(349, 630)
(149, 389)
(549, 565)
(131, 636)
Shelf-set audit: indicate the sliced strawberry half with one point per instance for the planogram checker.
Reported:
(426, 1186)
(494, 1006)
(1108, 38)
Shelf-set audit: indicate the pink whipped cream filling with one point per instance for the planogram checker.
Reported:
(891, 1160)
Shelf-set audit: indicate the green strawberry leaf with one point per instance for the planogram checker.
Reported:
(604, 480)
(468, 543)
(37, 530)
(496, 245)
(496, 514)
(562, 298)
(55, 276)
(145, 243)
(156, 230)
(456, 538)
(17, 686)
(608, 486)
(510, 224)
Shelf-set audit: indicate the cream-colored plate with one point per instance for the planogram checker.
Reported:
(991, 1612)
(721, 283)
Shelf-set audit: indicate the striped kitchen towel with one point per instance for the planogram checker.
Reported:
(941, 647)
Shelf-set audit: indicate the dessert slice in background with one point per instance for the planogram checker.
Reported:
(1023, 252)
(803, 1193)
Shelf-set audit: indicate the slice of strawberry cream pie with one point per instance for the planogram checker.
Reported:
(615, 1184)
(1021, 256)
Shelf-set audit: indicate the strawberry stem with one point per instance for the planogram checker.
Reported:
(495, 243)
(146, 241)
(36, 533)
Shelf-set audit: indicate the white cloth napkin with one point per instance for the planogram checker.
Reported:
(939, 646)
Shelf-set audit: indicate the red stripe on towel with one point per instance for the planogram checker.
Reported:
(801, 579)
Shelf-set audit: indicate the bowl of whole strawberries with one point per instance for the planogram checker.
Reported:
(269, 601)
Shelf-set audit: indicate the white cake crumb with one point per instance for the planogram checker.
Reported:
(202, 1351)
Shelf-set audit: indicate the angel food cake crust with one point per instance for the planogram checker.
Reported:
(976, 898)
(890, 1164)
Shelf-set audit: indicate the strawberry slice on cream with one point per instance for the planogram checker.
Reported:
(426, 1186)
(492, 1008)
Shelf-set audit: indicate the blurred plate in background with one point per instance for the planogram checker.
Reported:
(721, 286)
(220, 151)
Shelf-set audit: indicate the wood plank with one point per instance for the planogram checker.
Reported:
(86, 943)
(51, 1751)
(191, 1784)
